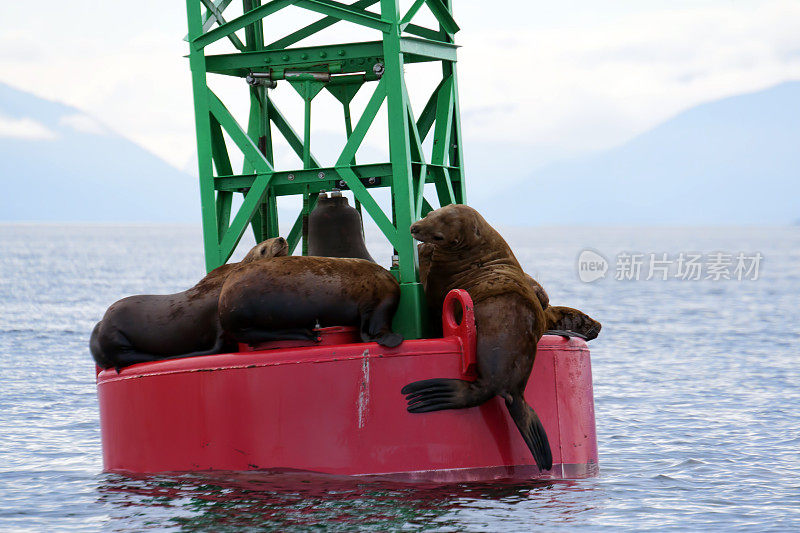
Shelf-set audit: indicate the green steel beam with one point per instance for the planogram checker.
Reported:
(208, 17)
(251, 200)
(410, 13)
(350, 57)
(204, 150)
(222, 163)
(443, 16)
(424, 49)
(342, 69)
(409, 319)
(237, 134)
(288, 132)
(237, 43)
(345, 58)
(449, 70)
(421, 31)
(360, 131)
(290, 181)
(311, 29)
(428, 115)
(444, 116)
(345, 12)
(258, 128)
(201, 41)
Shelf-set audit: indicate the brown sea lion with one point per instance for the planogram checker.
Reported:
(560, 320)
(467, 253)
(541, 294)
(425, 251)
(571, 322)
(283, 298)
(335, 230)
(152, 327)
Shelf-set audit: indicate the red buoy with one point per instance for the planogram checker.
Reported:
(335, 407)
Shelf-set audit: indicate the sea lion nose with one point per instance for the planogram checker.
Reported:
(414, 228)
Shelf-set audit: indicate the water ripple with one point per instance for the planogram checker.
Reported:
(696, 387)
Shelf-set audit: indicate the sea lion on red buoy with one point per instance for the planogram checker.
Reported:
(335, 230)
(467, 253)
(152, 327)
(283, 298)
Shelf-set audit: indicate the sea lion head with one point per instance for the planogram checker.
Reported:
(569, 319)
(277, 247)
(453, 226)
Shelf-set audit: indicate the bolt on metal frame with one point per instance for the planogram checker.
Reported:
(341, 69)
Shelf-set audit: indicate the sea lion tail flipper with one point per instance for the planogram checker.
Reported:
(532, 431)
(438, 394)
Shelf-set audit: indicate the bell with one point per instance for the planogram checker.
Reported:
(334, 229)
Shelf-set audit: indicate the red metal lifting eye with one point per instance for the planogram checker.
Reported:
(464, 330)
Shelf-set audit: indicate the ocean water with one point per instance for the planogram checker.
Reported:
(696, 382)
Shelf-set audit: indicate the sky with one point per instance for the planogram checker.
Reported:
(561, 77)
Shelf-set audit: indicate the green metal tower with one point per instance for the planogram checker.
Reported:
(341, 69)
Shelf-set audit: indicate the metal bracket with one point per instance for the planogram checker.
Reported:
(368, 182)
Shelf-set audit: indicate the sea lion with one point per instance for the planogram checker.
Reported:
(152, 327)
(467, 253)
(564, 321)
(283, 298)
(425, 251)
(424, 254)
(335, 230)
(570, 322)
(541, 294)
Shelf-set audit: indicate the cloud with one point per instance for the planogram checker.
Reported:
(83, 124)
(591, 83)
(574, 77)
(25, 128)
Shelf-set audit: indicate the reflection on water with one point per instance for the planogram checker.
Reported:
(290, 501)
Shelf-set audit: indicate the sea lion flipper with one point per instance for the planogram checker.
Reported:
(439, 394)
(389, 339)
(532, 431)
(560, 318)
(376, 324)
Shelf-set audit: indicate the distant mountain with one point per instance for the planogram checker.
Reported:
(732, 161)
(59, 164)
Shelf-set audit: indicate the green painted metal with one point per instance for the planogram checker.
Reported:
(343, 70)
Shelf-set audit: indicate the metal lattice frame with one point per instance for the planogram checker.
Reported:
(342, 69)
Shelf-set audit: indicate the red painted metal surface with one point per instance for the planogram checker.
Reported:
(337, 409)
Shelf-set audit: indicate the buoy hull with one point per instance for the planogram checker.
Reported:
(337, 409)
